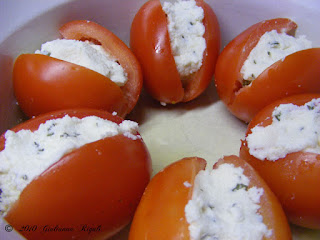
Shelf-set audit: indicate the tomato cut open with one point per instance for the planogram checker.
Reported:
(97, 186)
(296, 73)
(294, 179)
(150, 42)
(161, 212)
(43, 84)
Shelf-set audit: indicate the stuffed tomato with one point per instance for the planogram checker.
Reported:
(177, 44)
(184, 201)
(89, 67)
(265, 63)
(282, 144)
(76, 174)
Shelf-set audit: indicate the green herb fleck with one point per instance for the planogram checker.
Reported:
(254, 61)
(277, 116)
(24, 177)
(211, 207)
(310, 107)
(269, 53)
(240, 186)
(50, 128)
(65, 134)
(246, 82)
(47, 53)
(38, 147)
(275, 44)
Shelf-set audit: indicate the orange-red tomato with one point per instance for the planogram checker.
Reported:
(43, 84)
(97, 186)
(295, 178)
(160, 214)
(297, 73)
(149, 40)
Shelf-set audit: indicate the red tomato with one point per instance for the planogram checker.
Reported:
(42, 83)
(96, 186)
(295, 178)
(149, 40)
(297, 73)
(160, 214)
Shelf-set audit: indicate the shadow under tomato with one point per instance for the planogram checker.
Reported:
(122, 235)
(10, 113)
(304, 233)
(147, 104)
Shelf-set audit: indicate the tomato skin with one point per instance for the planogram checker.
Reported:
(160, 214)
(149, 40)
(99, 184)
(83, 30)
(271, 210)
(43, 84)
(281, 79)
(294, 179)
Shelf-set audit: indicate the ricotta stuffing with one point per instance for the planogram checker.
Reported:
(293, 129)
(87, 55)
(27, 154)
(186, 31)
(272, 47)
(223, 207)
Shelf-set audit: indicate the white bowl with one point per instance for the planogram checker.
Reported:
(202, 128)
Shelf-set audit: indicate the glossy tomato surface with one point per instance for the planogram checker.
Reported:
(149, 40)
(161, 215)
(97, 187)
(270, 208)
(295, 178)
(297, 73)
(43, 84)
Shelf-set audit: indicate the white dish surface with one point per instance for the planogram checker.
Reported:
(202, 128)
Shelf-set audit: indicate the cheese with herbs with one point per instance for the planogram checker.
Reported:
(87, 55)
(27, 154)
(272, 46)
(186, 31)
(293, 129)
(223, 207)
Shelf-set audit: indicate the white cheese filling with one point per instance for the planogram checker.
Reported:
(293, 129)
(223, 207)
(86, 54)
(186, 31)
(27, 154)
(271, 47)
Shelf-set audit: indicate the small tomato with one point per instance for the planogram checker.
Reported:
(150, 41)
(294, 179)
(98, 186)
(43, 84)
(297, 73)
(161, 212)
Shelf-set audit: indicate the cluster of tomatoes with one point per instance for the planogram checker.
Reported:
(84, 187)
